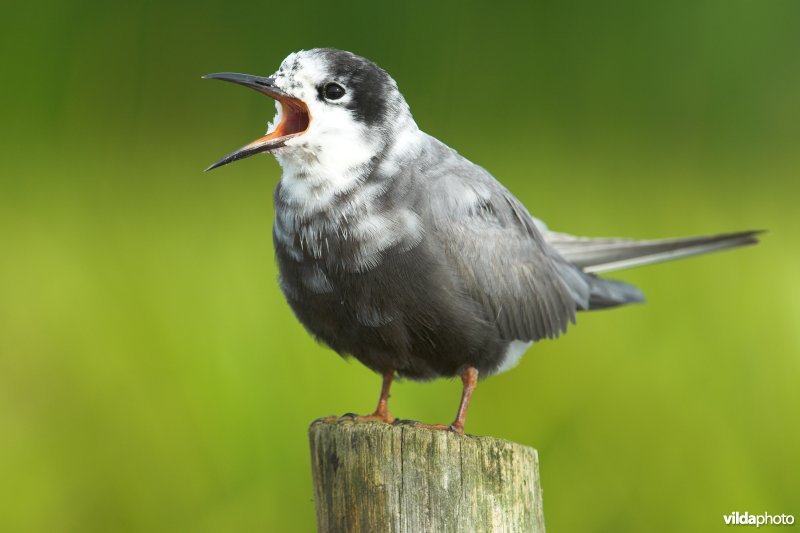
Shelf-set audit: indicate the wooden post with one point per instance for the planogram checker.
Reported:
(376, 477)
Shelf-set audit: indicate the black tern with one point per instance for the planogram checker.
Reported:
(395, 249)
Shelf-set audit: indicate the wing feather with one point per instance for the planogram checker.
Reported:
(504, 263)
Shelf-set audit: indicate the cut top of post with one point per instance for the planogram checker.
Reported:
(399, 478)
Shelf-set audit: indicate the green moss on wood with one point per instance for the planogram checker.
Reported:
(372, 477)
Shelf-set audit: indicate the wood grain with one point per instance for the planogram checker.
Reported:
(376, 477)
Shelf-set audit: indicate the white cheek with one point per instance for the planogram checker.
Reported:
(326, 160)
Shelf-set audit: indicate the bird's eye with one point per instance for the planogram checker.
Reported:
(333, 91)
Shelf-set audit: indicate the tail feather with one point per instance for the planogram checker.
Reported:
(604, 255)
(607, 293)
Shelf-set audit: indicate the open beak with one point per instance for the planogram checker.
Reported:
(294, 116)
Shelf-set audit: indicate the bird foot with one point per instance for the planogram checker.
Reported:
(374, 417)
(455, 428)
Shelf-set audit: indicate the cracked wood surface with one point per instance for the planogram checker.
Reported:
(375, 477)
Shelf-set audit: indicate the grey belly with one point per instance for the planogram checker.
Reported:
(408, 313)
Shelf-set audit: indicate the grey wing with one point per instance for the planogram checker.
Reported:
(503, 262)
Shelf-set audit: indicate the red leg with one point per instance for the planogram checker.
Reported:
(382, 410)
(470, 379)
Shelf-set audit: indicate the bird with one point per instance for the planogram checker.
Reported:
(396, 250)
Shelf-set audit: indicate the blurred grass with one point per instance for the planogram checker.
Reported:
(153, 379)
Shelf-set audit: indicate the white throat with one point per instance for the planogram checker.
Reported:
(330, 161)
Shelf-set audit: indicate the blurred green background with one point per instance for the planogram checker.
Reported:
(152, 377)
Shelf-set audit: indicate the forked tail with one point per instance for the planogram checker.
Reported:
(595, 256)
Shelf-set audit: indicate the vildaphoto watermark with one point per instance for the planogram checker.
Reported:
(765, 519)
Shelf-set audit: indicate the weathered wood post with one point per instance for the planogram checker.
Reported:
(376, 477)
